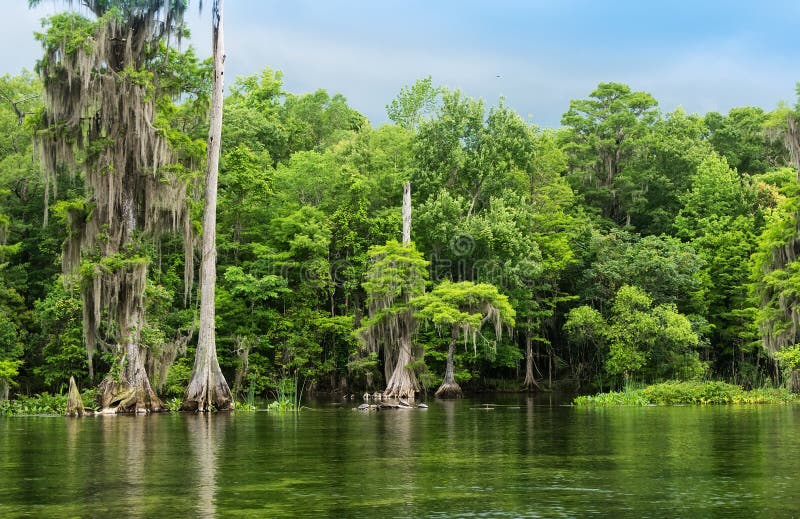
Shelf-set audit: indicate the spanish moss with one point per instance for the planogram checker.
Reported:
(99, 95)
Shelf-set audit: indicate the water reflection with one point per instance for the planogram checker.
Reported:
(403, 447)
(519, 459)
(205, 432)
(73, 426)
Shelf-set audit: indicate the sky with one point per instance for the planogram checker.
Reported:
(538, 55)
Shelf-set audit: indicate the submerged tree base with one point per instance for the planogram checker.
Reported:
(403, 383)
(449, 390)
(120, 397)
(202, 398)
(682, 393)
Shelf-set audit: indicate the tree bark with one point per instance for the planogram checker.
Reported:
(403, 382)
(243, 352)
(127, 388)
(406, 214)
(74, 401)
(794, 381)
(449, 387)
(530, 381)
(208, 388)
(793, 142)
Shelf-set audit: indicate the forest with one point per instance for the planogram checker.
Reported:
(629, 245)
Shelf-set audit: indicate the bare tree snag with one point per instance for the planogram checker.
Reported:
(406, 214)
(208, 388)
(74, 401)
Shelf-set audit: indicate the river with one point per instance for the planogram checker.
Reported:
(517, 457)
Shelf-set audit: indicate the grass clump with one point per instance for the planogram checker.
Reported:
(633, 397)
(687, 392)
(249, 404)
(288, 394)
(173, 404)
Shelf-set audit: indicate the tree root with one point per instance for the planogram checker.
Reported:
(217, 398)
(531, 384)
(449, 390)
(124, 398)
(406, 392)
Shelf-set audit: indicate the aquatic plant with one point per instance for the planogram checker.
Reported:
(173, 404)
(288, 395)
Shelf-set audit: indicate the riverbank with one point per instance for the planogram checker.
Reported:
(42, 404)
(683, 393)
(665, 393)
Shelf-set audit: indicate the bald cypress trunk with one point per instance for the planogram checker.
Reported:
(792, 139)
(449, 387)
(530, 380)
(208, 388)
(100, 108)
(406, 214)
(74, 401)
(396, 275)
(401, 382)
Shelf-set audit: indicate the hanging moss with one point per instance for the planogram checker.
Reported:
(776, 271)
(397, 273)
(100, 97)
(461, 310)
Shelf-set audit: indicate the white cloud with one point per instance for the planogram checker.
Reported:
(370, 71)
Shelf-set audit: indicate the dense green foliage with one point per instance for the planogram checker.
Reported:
(627, 246)
(679, 393)
(42, 404)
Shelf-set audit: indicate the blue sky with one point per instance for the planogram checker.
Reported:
(700, 55)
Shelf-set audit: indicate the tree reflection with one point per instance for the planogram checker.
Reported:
(205, 433)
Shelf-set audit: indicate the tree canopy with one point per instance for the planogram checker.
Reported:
(627, 245)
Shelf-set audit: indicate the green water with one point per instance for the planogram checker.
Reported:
(524, 458)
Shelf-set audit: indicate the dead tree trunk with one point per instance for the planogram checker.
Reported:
(406, 214)
(243, 346)
(402, 383)
(208, 388)
(74, 401)
(392, 331)
(449, 387)
(793, 142)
